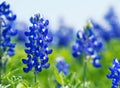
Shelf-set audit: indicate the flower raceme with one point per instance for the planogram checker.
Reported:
(101, 31)
(114, 23)
(88, 45)
(6, 31)
(64, 35)
(114, 26)
(115, 73)
(62, 66)
(37, 48)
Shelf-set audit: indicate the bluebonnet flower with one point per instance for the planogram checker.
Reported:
(113, 22)
(64, 34)
(21, 27)
(87, 44)
(114, 26)
(62, 66)
(115, 73)
(37, 48)
(6, 17)
(101, 31)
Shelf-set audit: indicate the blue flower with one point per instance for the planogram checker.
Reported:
(101, 31)
(64, 34)
(6, 17)
(87, 44)
(113, 22)
(37, 48)
(62, 66)
(21, 27)
(115, 73)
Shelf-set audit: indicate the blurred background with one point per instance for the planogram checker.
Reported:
(74, 12)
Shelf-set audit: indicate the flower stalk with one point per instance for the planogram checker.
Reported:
(84, 73)
(37, 49)
(35, 76)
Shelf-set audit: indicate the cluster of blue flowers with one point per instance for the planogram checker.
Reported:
(101, 31)
(6, 31)
(62, 66)
(64, 35)
(114, 24)
(21, 26)
(37, 48)
(87, 44)
(115, 73)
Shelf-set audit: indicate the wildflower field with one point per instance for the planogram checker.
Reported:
(34, 56)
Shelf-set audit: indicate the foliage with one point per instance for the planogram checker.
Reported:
(15, 77)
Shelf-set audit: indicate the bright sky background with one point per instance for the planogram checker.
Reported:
(74, 12)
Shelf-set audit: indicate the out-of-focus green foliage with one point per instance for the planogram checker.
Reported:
(14, 77)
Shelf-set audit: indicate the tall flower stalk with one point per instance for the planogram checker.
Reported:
(88, 46)
(6, 32)
(37, 46)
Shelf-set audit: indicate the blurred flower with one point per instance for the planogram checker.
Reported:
(64, 34)
(101, 31)
(87, 44)
(113, 22)
(21, 27)
(62, 66)
(37, 48)
(6, 17)
(115, 73)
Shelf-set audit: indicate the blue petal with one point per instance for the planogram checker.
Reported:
(41, 20)
(44, 31)
(5, 5)
(6, 12)
(12, 45)
(28, 45)
(81, 35)
(11, 17)
(25, 61)
(44, 60)
(37, 53)
(96, 63)
(90, 31)
(10, 52)
(38, 68)
(40, 42)
(27, 33)
(46, 23)
(13, 33)
(48, 51)
(76, 54)
(30, 65)
(32, 20)
(26, 70)
(28, 51)
(48, 38)
(46, 65)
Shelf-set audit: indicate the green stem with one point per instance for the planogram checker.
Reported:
(119, 85)
(84, 73)
(3, 68)
(35, 76)
(0, 51)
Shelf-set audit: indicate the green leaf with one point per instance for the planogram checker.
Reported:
(59, 77)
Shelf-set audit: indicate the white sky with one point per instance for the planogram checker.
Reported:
(74, 12)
